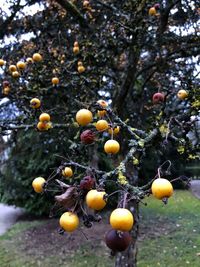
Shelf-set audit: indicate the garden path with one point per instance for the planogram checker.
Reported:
(8, 216)
(195, 188)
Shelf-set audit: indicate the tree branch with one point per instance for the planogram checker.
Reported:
(73, 10)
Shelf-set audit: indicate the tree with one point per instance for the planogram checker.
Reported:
(135, 55)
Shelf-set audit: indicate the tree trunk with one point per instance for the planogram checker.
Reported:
(128, 258)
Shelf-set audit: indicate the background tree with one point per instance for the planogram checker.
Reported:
(129, 53)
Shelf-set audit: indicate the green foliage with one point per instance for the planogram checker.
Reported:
(128, 56)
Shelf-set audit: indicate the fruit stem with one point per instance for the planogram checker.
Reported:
(159, 172)
(114, 193)
(124, 201)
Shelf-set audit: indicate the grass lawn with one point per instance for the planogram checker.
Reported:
(170, 237)
(175, 238)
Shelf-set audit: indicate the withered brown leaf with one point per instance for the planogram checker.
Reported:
(68, 199)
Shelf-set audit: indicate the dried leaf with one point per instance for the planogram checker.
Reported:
(68, 199)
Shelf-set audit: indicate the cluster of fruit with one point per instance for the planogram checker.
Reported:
(44, 123)
(21, 65)
(121, 219)
(69, 221)
(84, 117)
(80, 67)
(160, 97)
(76, 48)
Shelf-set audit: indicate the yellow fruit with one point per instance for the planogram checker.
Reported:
(86, 3)
(152, 11)
(67, 172)
(95, 199)
(111, 147)
(38, 184)
(12, 68)
(76, 44)
(44, 117)
(102, 125)
(182, 94)
(81, 69)
(121, 219)
(103, 104)
(55, 81)
(43, 126)
(84, 117)
(69, 221)
(114, 130)
(15, 74)
(21, 65)
(35, 103)
(2, 62)
(37, 57)
(6, 90)
(161, 188)
(76, 50)
(29, 60)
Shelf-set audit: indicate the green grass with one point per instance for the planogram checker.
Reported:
(178, 243)
(172, 239)
(9, 256)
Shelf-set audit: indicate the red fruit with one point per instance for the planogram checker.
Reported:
(158, 97)
(87, 183)
(157, 6)
(117, 241)
(6, 84)
(87, 137)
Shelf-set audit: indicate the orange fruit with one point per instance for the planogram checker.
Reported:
(69, 221)
(121, 219)
(84, 117)
(67, 172)
(76, 44)
(38, 184)
(35, 103)
(21, 65)
(43, 126)
(44, 117)
(114, 130)
(102, 125)
(2, 62)
(86, 3)
(152, 11)
(15, 74)
(111, 147)
(81, 69)
(37, 57)
(29, 60)
(6, 90)
(182, 94)
(12, 68)
(103, 104)
(95, 199)
(55, 81)
(76, 50)
(161, 188)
